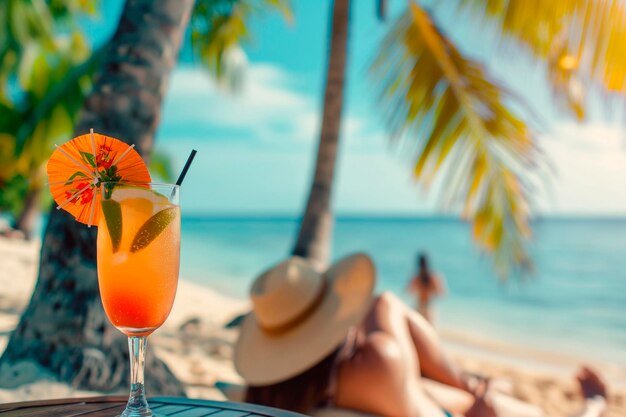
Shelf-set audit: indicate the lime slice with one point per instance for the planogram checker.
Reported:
(112, 212)
(122, 193)
(152, 228)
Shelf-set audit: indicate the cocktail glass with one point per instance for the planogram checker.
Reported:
(138, 262)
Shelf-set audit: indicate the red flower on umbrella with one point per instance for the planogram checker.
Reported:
(87, 195)
(104, 158)
(81, 194)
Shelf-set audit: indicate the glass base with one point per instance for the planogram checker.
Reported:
(141, 411)
(134, 412)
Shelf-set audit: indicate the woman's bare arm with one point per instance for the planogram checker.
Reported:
(440, 286)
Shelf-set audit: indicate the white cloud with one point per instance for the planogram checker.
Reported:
(283, 124)
(232, 176)
(590, 169)
(378, 182)
(267, 108)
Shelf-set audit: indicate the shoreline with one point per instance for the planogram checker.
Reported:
(195, 345)
(532, 360)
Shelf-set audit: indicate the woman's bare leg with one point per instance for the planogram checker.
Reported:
(422, 351)
(434, 363)
(387, 315)
(591, 386)
(383, 376)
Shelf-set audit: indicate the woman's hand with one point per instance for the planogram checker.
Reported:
(481, 406)
(590, 383)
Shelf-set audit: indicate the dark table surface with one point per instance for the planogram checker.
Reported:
(112, 406)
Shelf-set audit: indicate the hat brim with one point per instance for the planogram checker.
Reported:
(266, 359)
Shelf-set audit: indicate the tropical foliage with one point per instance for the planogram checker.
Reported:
(219, 27)
(46, 68)
(450, 102)
(44, 74)
(580, 40)
(465, 122)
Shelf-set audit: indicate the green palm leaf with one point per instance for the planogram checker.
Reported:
(464, 127)
(45, 71)
(219, 27)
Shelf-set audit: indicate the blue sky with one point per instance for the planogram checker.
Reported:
(256, 148)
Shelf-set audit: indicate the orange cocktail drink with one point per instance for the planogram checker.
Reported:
(103, 181)
(138, 256)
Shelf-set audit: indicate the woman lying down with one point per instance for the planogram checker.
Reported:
(321, 344)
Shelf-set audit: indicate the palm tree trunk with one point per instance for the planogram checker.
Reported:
(316, 227)
(26, 220)
(64, 329)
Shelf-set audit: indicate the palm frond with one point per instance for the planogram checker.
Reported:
(580, 40)
(219, 27)
(46, 67)
(432, 94)
(44, 77)
(70, 9)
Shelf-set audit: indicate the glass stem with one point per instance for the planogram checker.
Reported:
(137, 404)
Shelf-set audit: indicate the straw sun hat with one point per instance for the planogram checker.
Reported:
(300, 316)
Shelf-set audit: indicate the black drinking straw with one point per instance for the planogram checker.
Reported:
(181, 177)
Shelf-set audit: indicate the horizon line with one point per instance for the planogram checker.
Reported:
(347, 216)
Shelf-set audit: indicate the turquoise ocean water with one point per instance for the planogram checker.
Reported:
(574, 303)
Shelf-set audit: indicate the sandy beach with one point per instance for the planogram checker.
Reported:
(194, 343)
